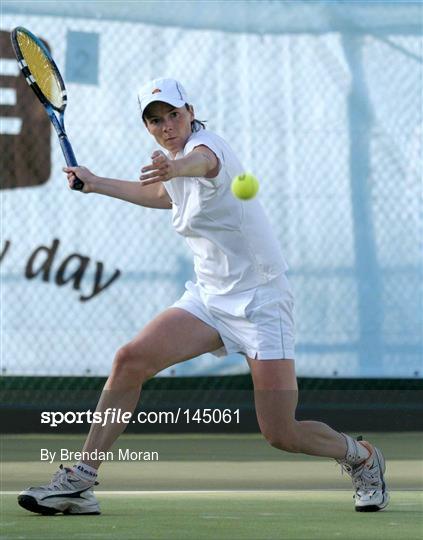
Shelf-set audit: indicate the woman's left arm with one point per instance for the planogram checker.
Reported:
(201, 161)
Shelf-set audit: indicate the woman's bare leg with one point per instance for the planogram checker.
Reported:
(276, 398)
(172, 337)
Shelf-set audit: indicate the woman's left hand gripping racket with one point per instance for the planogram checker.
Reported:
(44, 78)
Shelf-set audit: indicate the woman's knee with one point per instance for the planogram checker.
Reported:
(133, 362)
(286, 439)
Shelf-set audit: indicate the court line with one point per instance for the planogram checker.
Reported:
(219, 491)
(198, 491)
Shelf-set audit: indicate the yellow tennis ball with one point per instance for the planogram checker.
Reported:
(245, 186)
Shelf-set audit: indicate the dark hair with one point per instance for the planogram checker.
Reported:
(196, 125)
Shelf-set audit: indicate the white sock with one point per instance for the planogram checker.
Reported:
(84, 471)
(356, 451)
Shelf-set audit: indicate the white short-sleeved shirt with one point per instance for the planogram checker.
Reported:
(234, 246)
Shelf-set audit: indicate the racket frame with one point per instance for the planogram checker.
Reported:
(58, 122)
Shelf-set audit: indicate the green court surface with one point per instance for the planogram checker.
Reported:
(216, 487)
(254, 515)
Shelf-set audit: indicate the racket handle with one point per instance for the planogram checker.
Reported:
(78, 185)
(67, 150)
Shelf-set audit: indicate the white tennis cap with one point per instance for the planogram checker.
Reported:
(166, 90)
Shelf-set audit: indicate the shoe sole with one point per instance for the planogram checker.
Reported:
(374, 507)
(31, 504)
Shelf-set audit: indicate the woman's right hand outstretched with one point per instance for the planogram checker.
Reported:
(84, 174)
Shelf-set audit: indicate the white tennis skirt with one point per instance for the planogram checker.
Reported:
(258, 323)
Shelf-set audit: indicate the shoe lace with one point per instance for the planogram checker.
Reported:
(364, 478)
(58, 478)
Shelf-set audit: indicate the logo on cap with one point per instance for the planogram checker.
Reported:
(156, 91)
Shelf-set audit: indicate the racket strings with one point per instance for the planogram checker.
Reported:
(41, 70)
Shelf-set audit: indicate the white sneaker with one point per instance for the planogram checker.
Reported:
(66, 493)
(368, 481)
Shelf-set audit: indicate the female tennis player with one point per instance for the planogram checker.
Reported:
(240, 302)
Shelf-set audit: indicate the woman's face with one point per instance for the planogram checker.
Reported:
(170, 126)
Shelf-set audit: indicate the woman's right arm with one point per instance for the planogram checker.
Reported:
(151, 196)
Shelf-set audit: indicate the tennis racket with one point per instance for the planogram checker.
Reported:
(43, 76)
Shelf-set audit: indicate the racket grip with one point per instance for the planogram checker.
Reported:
(70, 159)
(78, 185)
